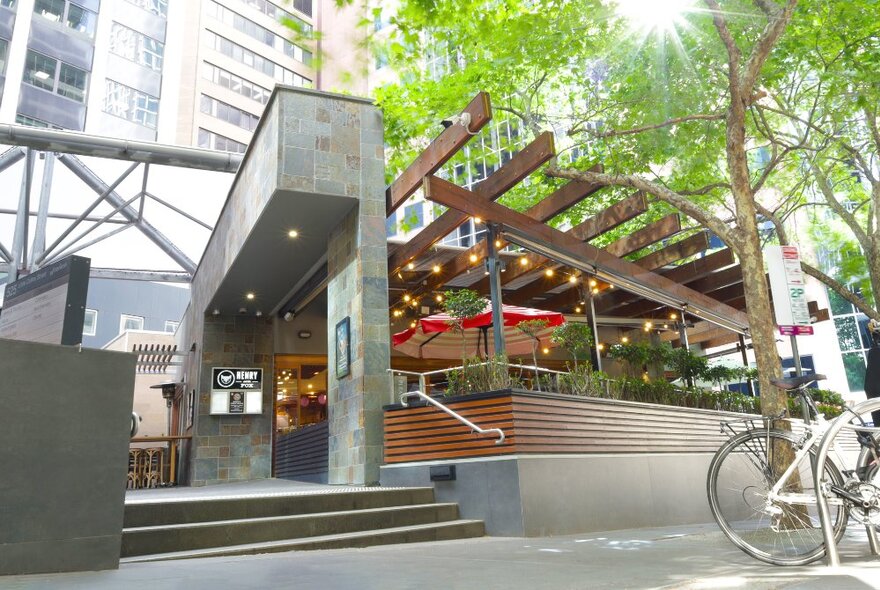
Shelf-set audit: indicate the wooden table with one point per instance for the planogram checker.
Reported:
(173, 441)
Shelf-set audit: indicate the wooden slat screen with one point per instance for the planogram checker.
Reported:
(303, 452)
(549, 423)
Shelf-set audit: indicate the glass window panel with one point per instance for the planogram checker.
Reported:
(839, 305)
(854, 365)
(136, 47)
(862, 320)
(72, 83)
(157, 7)
(847, 333)
(4, 50)
(82, 20)
(90, 322)
(52, 10)
(130, 322)
(39, 71)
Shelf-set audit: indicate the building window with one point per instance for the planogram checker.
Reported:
(391, 225)
(211, 140)
(31, 122)
(130, 322)
(136, 47)
(413, 216)
(304, 6)
(279, 14)
(157, 7)
(130, 104)
(247, 57)
(235, 83)
(255, 31)
(230, 114)
(852, 337)
(4, 52)
(58, 77)
(7, 3)
(71, 15)
(90, 323)
(171, 326)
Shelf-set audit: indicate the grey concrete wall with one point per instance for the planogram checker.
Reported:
(357, 289)
(545, 495)
(64, 431)
(314, 319)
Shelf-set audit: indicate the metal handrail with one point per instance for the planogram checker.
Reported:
(832, 555)
(455, 415)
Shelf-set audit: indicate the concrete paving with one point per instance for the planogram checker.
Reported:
(680, 558)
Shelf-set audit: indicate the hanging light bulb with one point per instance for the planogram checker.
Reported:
(473, 258)
(412, 324)
(593, 282)
(673, 316)
(497, 243)
(436, 268)
(411, 266)
(624, 339)
(577, 309)
(477, 220)
(600, 347)
(523, 261)
(406, 297)
(572, 279)
(549, 272)
(546, 350)
(439, 298)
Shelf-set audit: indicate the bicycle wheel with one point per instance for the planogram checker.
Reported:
(740, 478)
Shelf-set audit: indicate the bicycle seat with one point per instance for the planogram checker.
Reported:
(795, 382)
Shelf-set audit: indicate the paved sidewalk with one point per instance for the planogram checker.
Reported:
(681, 558)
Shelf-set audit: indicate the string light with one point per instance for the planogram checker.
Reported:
(593, 282)
(577, 309)
(523, 261)
(412, 324)
(406, 297)
(250, 296)
(624, 339)
(397, 313)
(477, 220)
(546, 350)
(497, 243)
(600, 347)
(439, 298)
(648, 326)
(474, 258)
(673, 316)
(549, 272)
(436, 268)
(595, 290)
(415, 302)
(572, 279)
(411, 266)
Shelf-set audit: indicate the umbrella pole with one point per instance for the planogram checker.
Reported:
(495, 290)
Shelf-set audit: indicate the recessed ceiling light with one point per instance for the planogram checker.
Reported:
(250, 296)
(292, 233)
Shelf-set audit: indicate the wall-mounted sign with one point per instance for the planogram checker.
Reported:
(48, 305)
(236, 390)
(788, 285)
(343, 348)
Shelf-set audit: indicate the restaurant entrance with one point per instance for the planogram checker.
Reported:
(300, 409)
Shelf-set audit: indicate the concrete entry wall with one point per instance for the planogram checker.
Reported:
(64, 432)
(315, 164)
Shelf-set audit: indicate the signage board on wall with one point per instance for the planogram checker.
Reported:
(48, 305)
(788, 285)
(236, 390)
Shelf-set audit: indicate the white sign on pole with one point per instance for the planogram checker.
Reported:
(788, 285)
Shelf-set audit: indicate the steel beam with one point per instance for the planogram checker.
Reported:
(19, 256)
(43, 211)
(68, 216)
(72, 142)
(98, 185)
(175, 209)
(159, 276)
(495, 290)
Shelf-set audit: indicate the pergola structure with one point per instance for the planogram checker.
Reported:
(702, 296)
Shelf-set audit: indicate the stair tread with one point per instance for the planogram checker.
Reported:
(342, 490)
(293, 543)
(284, 517)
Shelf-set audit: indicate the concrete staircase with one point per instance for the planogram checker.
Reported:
(325, 519)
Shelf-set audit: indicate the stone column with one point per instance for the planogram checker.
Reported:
(358, 290)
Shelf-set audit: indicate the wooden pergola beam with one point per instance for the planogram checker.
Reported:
(650, 234)
(653, 261)
(546, 209)
(438, 153)
(608, 267)
(518, 168)
(684, 273)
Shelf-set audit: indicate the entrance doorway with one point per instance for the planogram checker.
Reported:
(300, 408)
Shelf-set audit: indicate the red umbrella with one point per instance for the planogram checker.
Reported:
(435, 337)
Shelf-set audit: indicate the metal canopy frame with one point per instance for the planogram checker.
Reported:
(28, 249)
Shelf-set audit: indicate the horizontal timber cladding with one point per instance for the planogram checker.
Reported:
(303, 453)
(549, 423)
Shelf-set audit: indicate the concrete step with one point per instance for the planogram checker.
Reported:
(155, 513)
(240, 531)
(444, 531)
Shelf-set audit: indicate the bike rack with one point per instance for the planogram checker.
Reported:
(832, 556)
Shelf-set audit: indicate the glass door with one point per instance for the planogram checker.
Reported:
(300, 392)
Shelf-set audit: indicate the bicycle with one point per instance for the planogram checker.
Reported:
(773, 516)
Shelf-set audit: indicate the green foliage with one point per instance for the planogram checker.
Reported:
(638, 355)
(478, 376)
(461, 306)
(829, 403)
(687, 365)
(575, 337)
(532, 328)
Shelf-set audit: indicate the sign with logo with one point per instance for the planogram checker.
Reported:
(788, 285)
(236, 390)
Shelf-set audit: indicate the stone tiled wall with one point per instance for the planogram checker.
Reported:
(234, 448)
(358, 289)
(328, 145)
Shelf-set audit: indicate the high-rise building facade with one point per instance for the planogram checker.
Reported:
(187, 72)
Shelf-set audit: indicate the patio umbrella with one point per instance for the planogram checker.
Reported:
(435, 337)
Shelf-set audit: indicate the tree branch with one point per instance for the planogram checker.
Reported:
(840, 289)
(848, 218)
(764, 46)
(667, 123)
(769, 7)
(734, 55)
(728, 234)
(706, 189)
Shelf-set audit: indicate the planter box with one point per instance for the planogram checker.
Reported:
(535, 422)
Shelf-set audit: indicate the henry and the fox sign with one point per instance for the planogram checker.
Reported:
(236, 390)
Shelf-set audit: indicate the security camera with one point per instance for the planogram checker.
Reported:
(463, 119)
(288, 317)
